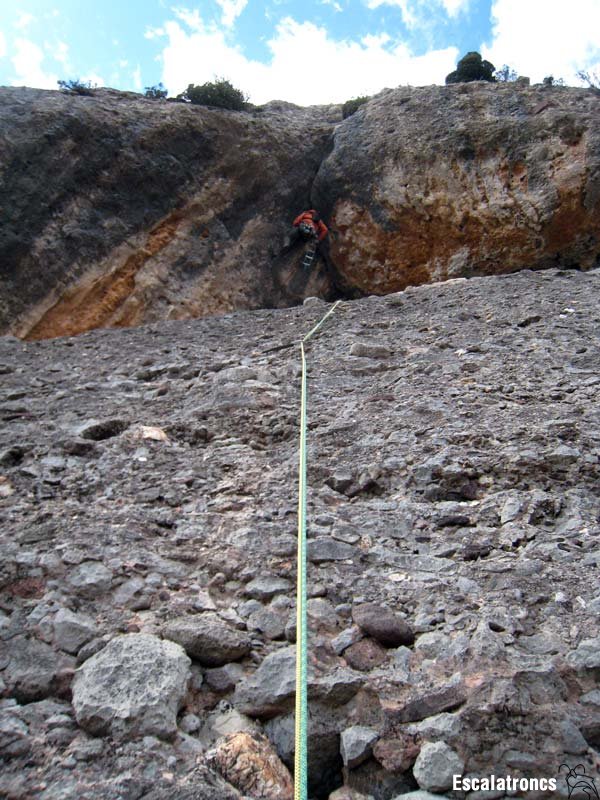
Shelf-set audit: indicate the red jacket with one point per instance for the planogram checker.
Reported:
(319, 227)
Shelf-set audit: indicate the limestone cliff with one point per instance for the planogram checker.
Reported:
(118, 210)
(470, 179)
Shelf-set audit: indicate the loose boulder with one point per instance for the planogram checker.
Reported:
(133, 687)
(208, 639)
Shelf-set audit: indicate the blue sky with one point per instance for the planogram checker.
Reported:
(315, 51)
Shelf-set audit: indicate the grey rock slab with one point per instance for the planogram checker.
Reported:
(270, 690)
(356, 744)
(208, 639)
(14, 736)
(72, 631)
(586, 655)
(370, 350)
(266, 587)
(335, 687)
(326, 549)
(383, 624)
(572, 738)
(134, 687)
(225, 678)
(436, 765)
(90, 579)
(268, 622)
(33, 668)
(420, 795)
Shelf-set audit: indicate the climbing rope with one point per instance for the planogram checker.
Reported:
(301, 735)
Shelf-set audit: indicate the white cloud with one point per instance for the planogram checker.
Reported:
(231, 10)
(2, 45)
(28, 67)
(419, 13)
(455, 7)
(334, 4)
(537, 41)
(334, 72)
(60, 52)
(154, 33)
(24, 20)
(191, 18)
(137, 79)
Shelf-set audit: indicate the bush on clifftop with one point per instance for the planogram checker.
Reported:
(350, 106)
(219, 94)
(472, 68)
(77, 87)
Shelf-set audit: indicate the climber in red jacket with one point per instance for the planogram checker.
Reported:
(307, 225)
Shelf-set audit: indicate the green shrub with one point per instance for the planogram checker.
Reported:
(472, 68)
(218, 93)
(350, 106)
(77, 87)
(155, 92)
(550, 80)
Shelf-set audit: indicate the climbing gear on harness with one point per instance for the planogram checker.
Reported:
(301, 721)
(309, 256)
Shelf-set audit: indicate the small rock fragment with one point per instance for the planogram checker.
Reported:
(435, 766)
(356, 744)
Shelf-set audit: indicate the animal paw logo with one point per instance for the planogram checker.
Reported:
(580, 785)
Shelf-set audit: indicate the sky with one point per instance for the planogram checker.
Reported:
(310, 52)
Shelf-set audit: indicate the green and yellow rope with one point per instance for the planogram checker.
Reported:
(301, 734)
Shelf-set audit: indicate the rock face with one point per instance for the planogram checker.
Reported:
(455, 454)
(119, 210)
(133, 687)
(471, 179)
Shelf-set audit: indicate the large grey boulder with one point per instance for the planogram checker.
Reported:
(133, 687)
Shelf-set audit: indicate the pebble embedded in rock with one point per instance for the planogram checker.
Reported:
(72, 631)
(365, 655)
(208, 639)
(326, 549)
(266, 587)
(383, 625)
(90, 579)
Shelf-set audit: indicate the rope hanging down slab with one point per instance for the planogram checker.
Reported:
(301, 734)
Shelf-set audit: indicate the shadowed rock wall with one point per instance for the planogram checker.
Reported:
(117, 210)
